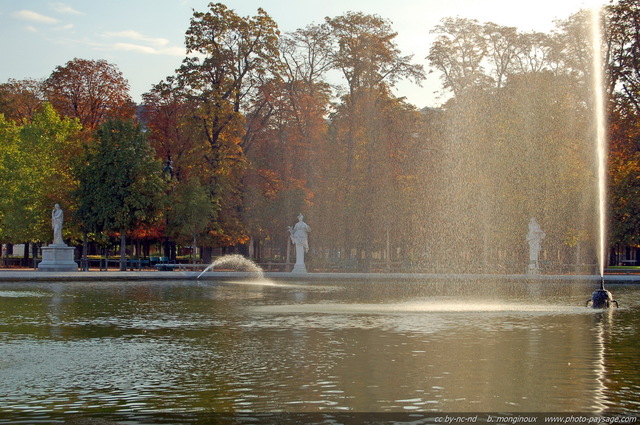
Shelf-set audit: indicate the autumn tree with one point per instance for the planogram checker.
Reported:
(535, 53)
(366, 54)
(624, 129)
(90, 90)
(286, 135)
(369, 184)
(624, 42)
(361, 147)
(173, 134)
(507, 155)
(471, 55)
(502, 49)
(120, 183)
(229, 58)
(458, 53)
(21, 99)
(624, 175)
(178, 142)
(307, 54)
(519, 122)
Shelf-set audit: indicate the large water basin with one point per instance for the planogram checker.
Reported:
(155, 348)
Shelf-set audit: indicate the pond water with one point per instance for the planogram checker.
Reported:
(187, 347)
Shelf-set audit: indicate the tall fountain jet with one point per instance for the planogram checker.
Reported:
(600, 298)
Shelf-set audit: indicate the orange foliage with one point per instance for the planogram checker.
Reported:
(90, 90)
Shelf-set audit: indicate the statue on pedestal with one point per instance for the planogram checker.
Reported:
(57, 217)
(298, 234)
(534, 238)
(57, 257)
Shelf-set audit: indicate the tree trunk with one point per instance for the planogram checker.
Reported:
(85, 262)
(206, 254)
(25, 258)
(123, 251)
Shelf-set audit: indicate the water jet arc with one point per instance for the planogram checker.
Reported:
(235, 262)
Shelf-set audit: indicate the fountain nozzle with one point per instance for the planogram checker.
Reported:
(601, 298)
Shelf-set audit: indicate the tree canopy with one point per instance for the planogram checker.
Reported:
(259, 126)
(35, 167)
(90, 90)
(120, 182)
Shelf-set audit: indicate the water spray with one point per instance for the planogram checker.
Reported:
(235, 262)
(601, 298)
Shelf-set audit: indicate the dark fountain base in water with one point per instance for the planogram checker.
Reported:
(602, 298)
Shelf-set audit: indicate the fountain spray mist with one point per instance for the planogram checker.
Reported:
(235, 262)
(600, 298)
(601, 136)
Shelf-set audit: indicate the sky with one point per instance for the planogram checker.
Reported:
(145, 38)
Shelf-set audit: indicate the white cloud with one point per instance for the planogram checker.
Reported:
(128, 47)
(65, 27)
(173, 51)
(135, 41)
(64, 9)
(135, 35)
(29, 15)
(31, 28)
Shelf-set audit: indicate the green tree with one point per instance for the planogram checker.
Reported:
(38, 174)
(187, 217)
(120, 182)
(9, 140)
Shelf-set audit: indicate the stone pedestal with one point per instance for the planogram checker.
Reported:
(57, 258)
(533, 269)
(299, 267)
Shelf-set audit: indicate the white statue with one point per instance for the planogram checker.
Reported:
(300, 239)
(57, 217)
(57, 257)
(534, 238)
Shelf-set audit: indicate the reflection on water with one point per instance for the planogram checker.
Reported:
(158, 347)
